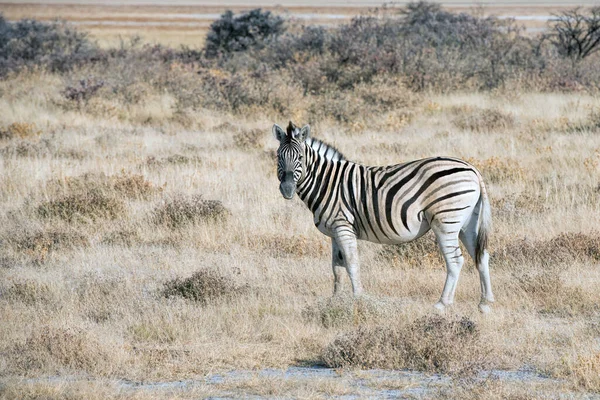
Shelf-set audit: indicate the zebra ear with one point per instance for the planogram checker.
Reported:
(303, 134)
(278, 133)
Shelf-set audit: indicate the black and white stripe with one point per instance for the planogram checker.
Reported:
(391, 204)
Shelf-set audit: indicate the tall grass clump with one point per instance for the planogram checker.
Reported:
(203, 287)
(430, 344)
(59, 350)
(83, 207)
(183, 210)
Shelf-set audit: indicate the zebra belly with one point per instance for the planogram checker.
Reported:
(403, 236)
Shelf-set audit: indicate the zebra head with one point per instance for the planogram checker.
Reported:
(289, 156)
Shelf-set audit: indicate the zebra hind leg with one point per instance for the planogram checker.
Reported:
(468, 236)
(448, 243)
(337, 263)
(346, 242)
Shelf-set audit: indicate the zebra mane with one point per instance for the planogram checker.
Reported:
(325, 150)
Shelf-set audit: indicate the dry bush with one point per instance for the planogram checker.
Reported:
(415, 254)
(127, 185)
(431, 344)
(83, 207)
(586, 372)
(53, 350)
(481, 119)
(492, 387)
(564, 248)
(123, 237)
(203, 287)
(386, 93)
(39, 244)
(281, 246)
(21, 130)
(42, 389)
(538, 268)
(590, 124)
(183, 210)
(342, 107)
(153, 332)
(546, 290)
(102, 298)
(519, 205)
(498, 170)
(174, 159)
(30, 292)
(346, 310)
(253, 139)
(84, 90)
(28, 148)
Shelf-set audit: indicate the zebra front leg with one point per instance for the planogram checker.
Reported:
(454, 262)
(337, 263)
(346, 242)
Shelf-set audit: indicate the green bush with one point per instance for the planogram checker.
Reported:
(248, 30)
(30, 43)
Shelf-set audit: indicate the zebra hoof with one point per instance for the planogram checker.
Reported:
(439, 307)
(484, 308)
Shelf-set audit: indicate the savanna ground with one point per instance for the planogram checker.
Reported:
(144, 240)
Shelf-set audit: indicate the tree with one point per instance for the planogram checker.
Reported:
(576, 34)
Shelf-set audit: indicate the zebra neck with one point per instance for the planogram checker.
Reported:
(316, 175)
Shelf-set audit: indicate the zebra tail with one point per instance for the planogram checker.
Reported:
(484, 223)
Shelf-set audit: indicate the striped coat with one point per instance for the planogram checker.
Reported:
(392, 204)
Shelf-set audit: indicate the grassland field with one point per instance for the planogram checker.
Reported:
(139, 247)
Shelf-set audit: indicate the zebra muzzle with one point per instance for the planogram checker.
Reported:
(287, 189)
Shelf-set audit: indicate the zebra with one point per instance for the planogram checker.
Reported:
(389, 205)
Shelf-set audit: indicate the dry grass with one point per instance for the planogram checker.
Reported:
(432, 344)
(183, 210)
(481, 120)
(55, 350)
(84, 207)
(100, 218)
(203, 287)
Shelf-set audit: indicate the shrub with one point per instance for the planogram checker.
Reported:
(30, 43)
(250, 139)
(123, 237)
(566, 247)
(53, 349)
(546, 290)
(84, 91)
(131, 186)
(30, 292)
(19, 130)
(481, 120)
(183, 210)
(83, 207)
(238, 33)
(279, 246)
(586, 371)
(430, 344)
(497, 170)
(203, 287)
(40, 244)
(175, 159)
